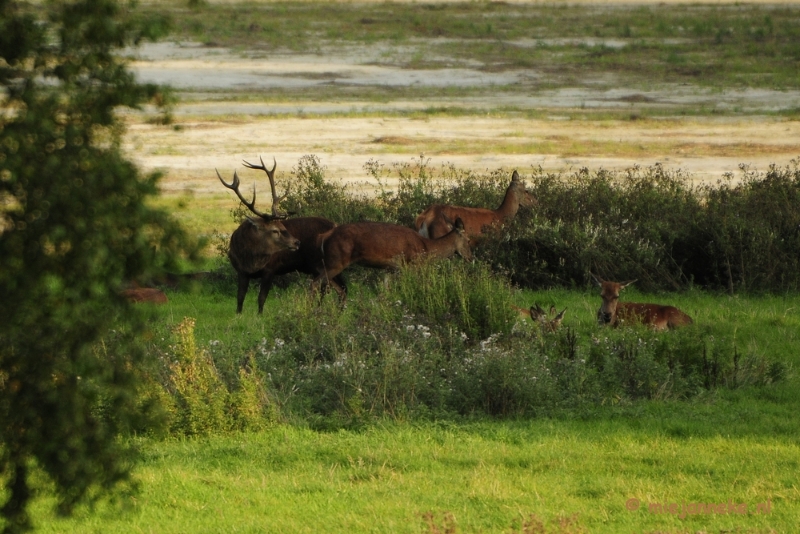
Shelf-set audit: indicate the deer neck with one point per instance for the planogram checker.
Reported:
(510, 205)
(445, 246)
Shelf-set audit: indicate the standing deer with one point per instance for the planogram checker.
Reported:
(434, 221)
(381, 246)
(616, 313)
(257, 239)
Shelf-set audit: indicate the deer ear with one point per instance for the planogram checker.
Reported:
(251, 220)
(459, 224)
(448, 221)
(515, 176)
(597, 279)
(623, 285)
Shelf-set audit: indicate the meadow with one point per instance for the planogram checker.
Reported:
(574, 467)
(427, 404)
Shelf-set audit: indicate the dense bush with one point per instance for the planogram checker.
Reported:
(655, 226)
(652, 224)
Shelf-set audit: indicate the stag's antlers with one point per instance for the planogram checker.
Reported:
(271, 174)
(234, 186)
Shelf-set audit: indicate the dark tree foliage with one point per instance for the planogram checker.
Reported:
(74, 225)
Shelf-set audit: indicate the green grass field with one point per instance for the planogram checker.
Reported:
(575, 471)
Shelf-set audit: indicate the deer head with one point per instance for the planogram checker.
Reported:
(609, 292)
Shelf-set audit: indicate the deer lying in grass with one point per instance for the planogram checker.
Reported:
(381, 246)
(615, 313)
(540, 317)
(144, 294)
(434, 222)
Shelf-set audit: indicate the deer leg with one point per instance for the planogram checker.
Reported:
(327, 279)
(339, 289)
(266, 285)
(339, 280)
(243, 286)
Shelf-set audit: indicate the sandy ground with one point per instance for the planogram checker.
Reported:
(344, 145)
(220, 134)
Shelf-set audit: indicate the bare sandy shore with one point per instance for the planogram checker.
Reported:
(706, 148)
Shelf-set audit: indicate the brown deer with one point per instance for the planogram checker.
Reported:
(540, 317)
(144, 294)
(434, 221)
(381, 246)
(303, 260)
(615, 313)
(257, 239)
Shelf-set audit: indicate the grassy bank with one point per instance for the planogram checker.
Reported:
(477, 477)
(575, 468)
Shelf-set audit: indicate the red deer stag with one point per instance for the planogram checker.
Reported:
(540, 317)
(381, 246)
(256, 240)
(616, 313)
(434, 221)
(306, 257)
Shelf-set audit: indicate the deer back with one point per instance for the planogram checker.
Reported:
(144, 294)
(658, 316)
(434, 221)
(372, 244)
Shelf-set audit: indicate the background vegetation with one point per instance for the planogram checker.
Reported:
(712, 45)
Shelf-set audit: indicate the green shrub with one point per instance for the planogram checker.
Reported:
(466, 296)
(200, 402)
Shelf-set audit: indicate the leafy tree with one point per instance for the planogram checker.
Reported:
(74, 225)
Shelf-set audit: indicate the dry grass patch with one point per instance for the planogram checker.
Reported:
(396, 140)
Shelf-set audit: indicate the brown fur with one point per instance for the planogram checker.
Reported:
(252, 247)
(540, 317)
(144, 294)
(616, 313)
(381, 246)
(303, 260)
(435, 221)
